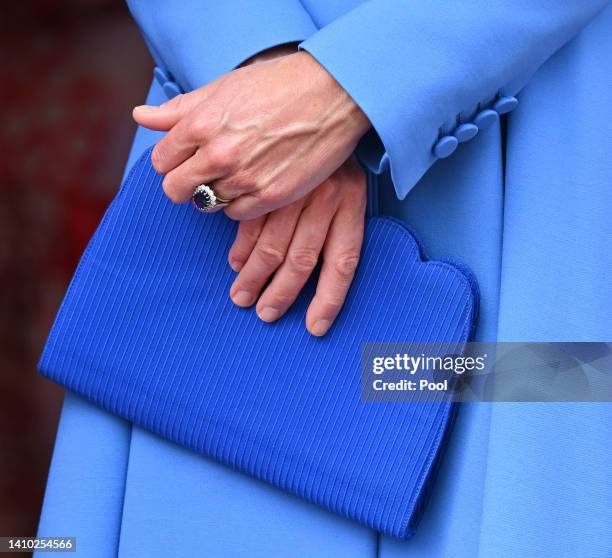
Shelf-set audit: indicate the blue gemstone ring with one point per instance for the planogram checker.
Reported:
(204, 199)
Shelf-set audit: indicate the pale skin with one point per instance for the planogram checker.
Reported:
(275, 136)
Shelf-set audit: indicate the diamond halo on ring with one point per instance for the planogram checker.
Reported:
(205, 200)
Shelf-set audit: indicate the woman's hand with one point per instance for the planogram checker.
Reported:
(287, 243)
(264, 135)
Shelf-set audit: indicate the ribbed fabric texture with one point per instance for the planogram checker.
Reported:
(148, 332)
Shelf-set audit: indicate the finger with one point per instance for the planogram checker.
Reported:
(180, 143)
(166, 115)
(200, 168)
(252, 205)
(248, 233)
(248, 206)
(267, 255)
(302, 257)
(340, 258)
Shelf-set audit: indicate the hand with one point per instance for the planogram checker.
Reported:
(286, 244)
(264, 135)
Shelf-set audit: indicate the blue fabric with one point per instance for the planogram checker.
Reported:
(147, 331)
(91, 453)
(196, 41)
(435, 65)
(528, 211)
(417, 70)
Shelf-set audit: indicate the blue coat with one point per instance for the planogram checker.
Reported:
(525, 202)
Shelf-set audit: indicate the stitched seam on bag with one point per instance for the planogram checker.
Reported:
(425, 475)
(467, 284)
(467, 328)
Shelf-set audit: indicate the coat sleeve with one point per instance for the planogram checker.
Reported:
(430, 74)
(195, 41)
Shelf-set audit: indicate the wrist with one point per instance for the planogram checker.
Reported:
(326, 87)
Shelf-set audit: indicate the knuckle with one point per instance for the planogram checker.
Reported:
(269, 254)
(199, 127)
(345, 265)
(172, 192)
(241, 179)
(331, 304)
(231, 152)
(270, 197)
(303, 260)
(221, 160)
(280, 299)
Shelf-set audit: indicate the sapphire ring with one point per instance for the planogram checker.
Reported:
(204, 199)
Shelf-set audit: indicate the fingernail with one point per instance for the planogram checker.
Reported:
(236, 265)
(320, 327)
(269, 314)
(243, 298)
(145, 108)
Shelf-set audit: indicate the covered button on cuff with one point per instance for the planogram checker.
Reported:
(160, 76)
(164, 78)
(485, 118)
(505, 104)
(445, 146)
(465, 132)
(171, 89)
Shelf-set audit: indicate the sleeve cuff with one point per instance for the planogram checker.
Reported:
(432, 75)
(204, 41)
(228, 44)
(354, 49)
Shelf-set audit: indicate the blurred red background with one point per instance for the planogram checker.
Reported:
(71, 73)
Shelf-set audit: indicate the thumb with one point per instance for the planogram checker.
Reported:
(166, 115)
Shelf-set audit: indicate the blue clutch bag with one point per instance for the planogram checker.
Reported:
(148, 332)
